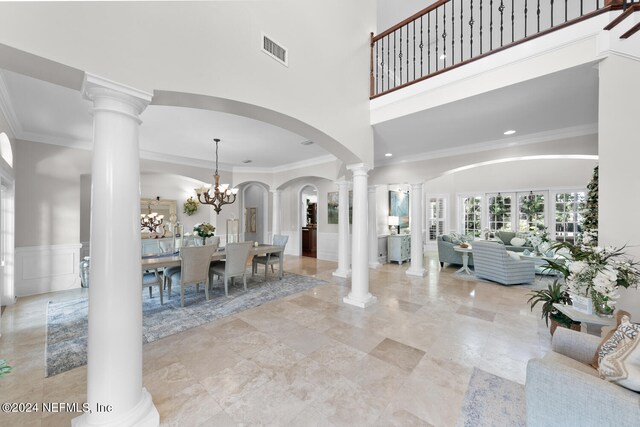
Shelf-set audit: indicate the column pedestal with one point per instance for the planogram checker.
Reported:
(360, 295)
(114, 370)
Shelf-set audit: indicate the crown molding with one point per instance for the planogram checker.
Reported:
(289, 166)
(536, 138)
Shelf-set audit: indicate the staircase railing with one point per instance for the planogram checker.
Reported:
(450, 33)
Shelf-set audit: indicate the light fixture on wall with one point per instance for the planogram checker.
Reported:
(221, 195)
(394, 221)
(151, 220)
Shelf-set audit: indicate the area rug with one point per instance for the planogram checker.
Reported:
(67, 324)
(492, 401)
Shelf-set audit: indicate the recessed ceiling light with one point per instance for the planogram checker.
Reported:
(306, 142)
(443, 56)
(388, 155)
(247, 161)
(510, 132)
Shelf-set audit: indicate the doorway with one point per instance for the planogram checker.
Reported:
(309, 218)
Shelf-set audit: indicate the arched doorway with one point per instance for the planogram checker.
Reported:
(309, 220)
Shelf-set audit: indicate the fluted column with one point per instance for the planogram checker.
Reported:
(360, 295)
(417, 246)
(344, 259)
(275, 217)
(114, 371)
(373, 229)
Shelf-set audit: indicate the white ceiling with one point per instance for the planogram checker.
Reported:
(48, 113)
(557, 104)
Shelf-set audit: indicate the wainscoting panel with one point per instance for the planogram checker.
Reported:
(41, 269)
(328, 246)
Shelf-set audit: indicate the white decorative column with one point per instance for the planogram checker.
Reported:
(373, 229)
(360, 295)
(344, 262)
(275, 217)
(417, 247)
(114, 373)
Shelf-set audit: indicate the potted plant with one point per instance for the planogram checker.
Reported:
(554, 294)
(190, 207)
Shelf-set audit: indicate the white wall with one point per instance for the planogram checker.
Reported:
(213, 48)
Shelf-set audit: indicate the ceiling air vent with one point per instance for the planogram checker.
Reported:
(275, 50)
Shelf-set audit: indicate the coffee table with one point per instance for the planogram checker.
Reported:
(539, 262)
(465, 258)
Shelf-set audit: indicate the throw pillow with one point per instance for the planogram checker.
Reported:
(605, 346)
(446, 238)
(456, 239)
(514, 255)
(622, 364)
(505, 236)
(517, 241)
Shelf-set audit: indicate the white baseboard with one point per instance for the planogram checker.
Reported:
(41, 269)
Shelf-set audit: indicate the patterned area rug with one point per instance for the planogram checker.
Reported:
(492, 401)
(67, 324)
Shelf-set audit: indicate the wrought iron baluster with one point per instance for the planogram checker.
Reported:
(407, 54)
(453, 32)
(400, 55)
(581, 9)
(481, 27)
(394, 59)
(538, 13)
(421, 45)
(525, 18)
(388, 63)
(382, 65)
(490, 25)
(377, 48)
(429, 43)
(597, 5)
(414, 49)
(444, 35)
(471, 22)
(512, 21)
(501, 9)
(437, 60)
(551, 13)
(461, 31)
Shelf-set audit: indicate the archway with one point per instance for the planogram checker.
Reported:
(255, 206)
(308, 214)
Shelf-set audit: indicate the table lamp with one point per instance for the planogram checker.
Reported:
(394, 221)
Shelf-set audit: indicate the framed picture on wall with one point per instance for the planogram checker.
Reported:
(399, 206)
(332, 207)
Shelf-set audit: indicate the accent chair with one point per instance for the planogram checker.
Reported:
(492, 262)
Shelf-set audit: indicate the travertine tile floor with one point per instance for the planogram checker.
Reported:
(309, 359)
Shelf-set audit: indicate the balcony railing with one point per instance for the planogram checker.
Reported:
(450, 33)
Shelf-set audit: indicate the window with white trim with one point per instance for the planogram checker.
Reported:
(500, 211)
(472, 215)
(531, 210)
(569, 208)
(436, 217)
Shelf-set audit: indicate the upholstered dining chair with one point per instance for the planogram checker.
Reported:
(235, 264)
(151, 278)
(170, 271)
(194, 269)
(271, 258)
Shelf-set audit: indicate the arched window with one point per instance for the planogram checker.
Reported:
(5, 149)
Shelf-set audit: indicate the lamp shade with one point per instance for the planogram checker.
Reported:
(394, 220)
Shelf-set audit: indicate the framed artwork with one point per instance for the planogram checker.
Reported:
(250, 219)
(399, 206)
(332, 207)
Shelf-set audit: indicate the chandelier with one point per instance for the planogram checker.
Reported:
(221, 194)
(151, 221)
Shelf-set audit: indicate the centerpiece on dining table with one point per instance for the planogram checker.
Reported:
(204, 230)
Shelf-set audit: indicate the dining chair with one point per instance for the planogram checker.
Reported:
(235, 264)
(151, 278)
(170, 271)
(194, 269)
(166, 246)
(271, 258)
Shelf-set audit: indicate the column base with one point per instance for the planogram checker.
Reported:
(144, 414)
(358, 302)
(345, 274)
(374, 265)
(419, 272)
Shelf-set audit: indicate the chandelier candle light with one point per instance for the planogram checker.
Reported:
(221, 194)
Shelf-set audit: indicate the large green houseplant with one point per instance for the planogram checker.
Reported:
(554, 294)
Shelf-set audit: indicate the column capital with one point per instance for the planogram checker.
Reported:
(108, 95)
(276, 191)
(358, 169)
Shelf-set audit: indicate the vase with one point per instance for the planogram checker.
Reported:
(204, 241)
(601, 305)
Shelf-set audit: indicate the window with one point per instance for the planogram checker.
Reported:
(436, 217)
(500, 212)
(472, 215)
(569, 207)
(531, 211)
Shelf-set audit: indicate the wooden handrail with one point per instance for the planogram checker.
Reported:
(623, 16)
(410, 19)
(631, 31)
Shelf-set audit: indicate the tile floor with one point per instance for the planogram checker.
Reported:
(309, 359)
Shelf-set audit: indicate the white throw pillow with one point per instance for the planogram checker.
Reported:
(620, 356)
(514, 255)
(517, 241)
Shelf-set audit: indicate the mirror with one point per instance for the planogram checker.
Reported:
(168, 208)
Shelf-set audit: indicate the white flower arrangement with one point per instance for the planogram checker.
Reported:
(204, 229)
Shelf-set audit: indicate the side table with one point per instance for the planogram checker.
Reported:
(465, 258)
(594, 322)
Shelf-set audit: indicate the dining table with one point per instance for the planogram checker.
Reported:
(151, 262)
